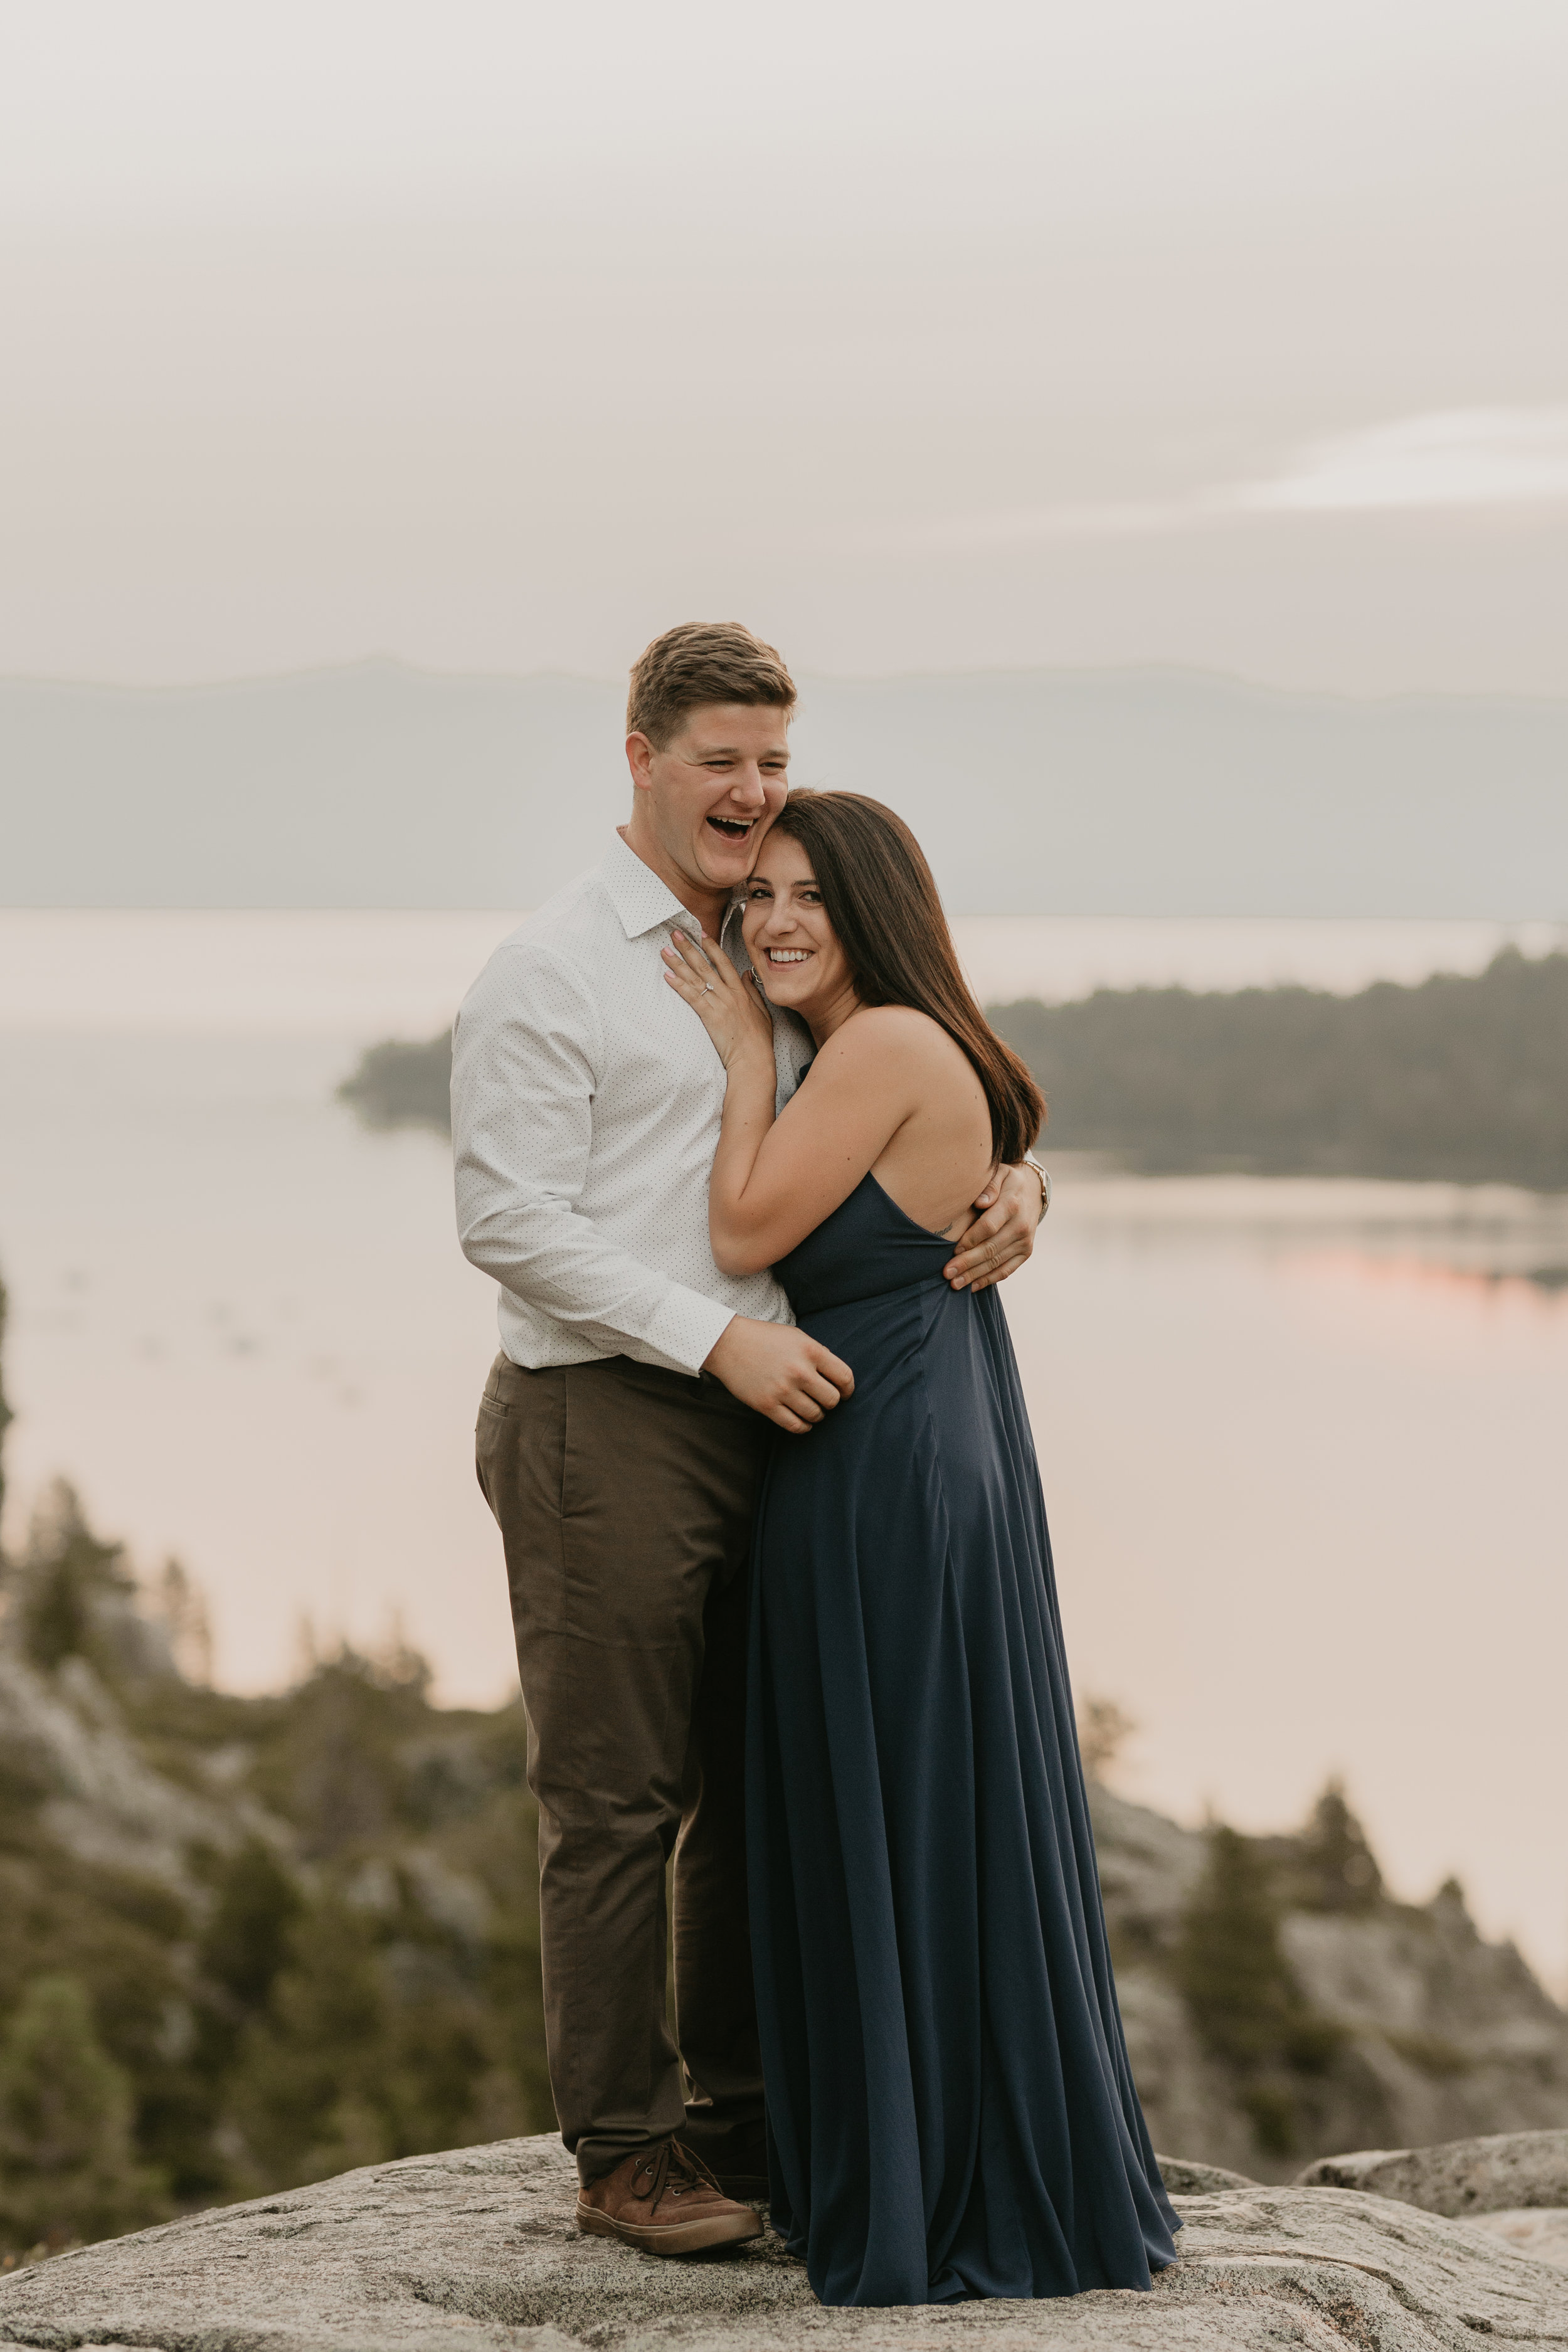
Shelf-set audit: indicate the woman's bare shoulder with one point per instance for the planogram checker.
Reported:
(879, 1031)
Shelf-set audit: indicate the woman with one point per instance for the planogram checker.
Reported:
(950, 2112)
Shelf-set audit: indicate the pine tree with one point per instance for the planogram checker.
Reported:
(1242, 1992)
(67, 2168)
(1341, 1869)
(180, 1607)
(1233, 1969)
(67, 1573)
(7, 1415)
(1103, 1730)
(246, 1937)
(312, 2093)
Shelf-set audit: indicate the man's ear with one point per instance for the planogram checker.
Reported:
(639, 760)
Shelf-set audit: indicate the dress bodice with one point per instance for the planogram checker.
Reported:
(868, 1247)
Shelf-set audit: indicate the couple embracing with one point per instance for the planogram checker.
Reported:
(746, 1160)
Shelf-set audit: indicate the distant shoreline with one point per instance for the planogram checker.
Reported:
(1455, 1078)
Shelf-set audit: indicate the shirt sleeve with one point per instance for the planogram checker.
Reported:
(526, 1053)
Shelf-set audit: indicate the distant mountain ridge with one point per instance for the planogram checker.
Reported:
(1129, 791)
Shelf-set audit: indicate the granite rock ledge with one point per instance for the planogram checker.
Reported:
(1511, 2184)
(476, 2251)
(1500, 2172)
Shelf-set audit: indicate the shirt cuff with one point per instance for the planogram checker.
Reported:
(687, 1328)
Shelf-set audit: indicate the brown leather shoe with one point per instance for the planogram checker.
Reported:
(666, 2202)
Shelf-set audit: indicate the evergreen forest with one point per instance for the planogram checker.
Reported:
(1458, 1077)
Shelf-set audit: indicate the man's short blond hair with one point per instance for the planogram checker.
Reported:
(703, 662)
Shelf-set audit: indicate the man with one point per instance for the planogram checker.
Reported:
(621, 1439)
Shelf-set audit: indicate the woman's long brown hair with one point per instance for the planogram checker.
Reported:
(882, 902)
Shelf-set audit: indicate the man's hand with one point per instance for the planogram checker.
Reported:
(778, 1371)
(1000, 1241)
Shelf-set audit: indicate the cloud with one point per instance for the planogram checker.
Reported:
(1457, 457)
(1460, 457)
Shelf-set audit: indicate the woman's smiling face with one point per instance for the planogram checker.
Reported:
(790, 940)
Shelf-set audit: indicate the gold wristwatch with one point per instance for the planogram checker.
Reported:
(1044, 1174)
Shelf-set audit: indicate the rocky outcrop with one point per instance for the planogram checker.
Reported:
(65, 1735)
(304, 1929)
(1513, 2186)
(1182, 2177)
(1504, 2172)
(1431, 2033)
(477, 2249)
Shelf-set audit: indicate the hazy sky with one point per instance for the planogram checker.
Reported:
(499, 336)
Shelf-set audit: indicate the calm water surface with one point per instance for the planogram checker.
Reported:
(1302, 1441)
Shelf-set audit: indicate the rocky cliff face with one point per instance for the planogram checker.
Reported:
(243, 1942)
(1374, 2023)
(258, 1941)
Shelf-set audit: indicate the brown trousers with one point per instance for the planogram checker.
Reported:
(625, 1496)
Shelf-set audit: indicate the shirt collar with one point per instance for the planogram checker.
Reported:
(643, 902)
(638, 896)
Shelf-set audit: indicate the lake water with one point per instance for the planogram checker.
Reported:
(1302, 1441)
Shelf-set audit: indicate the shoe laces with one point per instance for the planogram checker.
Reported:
(673, 2166)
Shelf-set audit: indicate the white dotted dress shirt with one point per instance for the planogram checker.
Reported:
(586, 1098)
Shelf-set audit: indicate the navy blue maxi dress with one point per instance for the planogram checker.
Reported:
(950, 2111)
